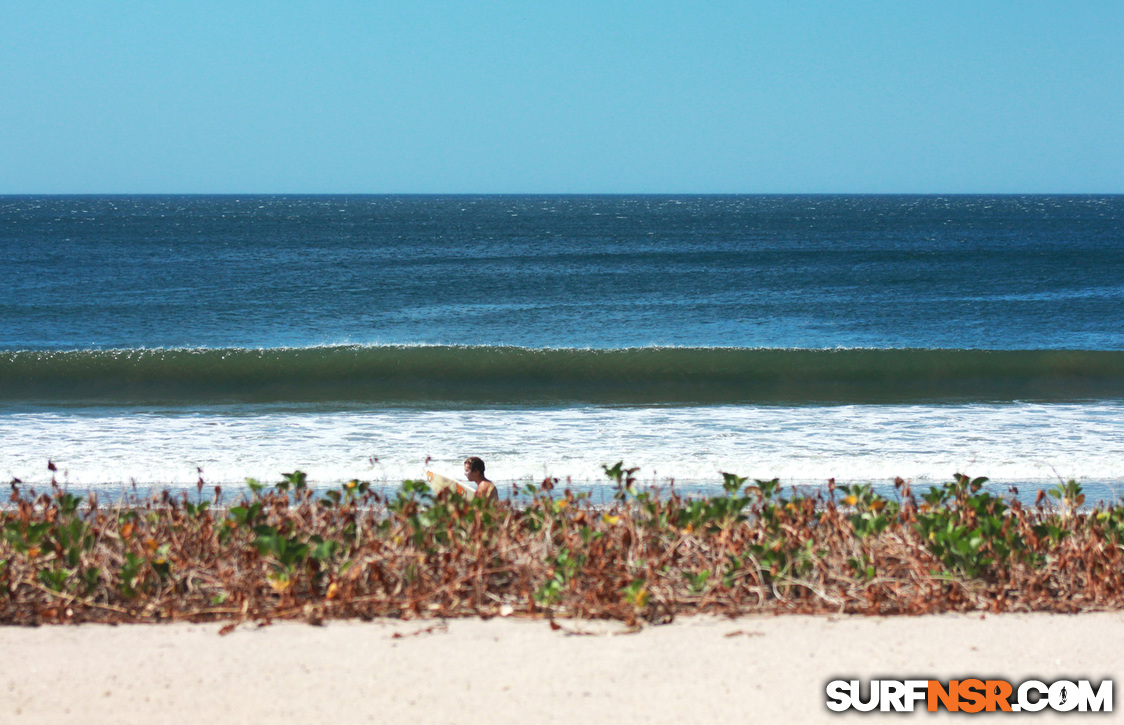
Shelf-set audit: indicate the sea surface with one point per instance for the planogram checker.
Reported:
(151, 340)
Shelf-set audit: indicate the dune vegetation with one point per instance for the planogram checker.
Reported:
(286, 551)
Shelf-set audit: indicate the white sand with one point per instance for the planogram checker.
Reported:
(773, 670)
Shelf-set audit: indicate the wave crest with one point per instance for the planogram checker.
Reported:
(674, 375)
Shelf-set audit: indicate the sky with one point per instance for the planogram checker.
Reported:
(789, 96)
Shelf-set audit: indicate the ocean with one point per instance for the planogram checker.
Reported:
(151, 340)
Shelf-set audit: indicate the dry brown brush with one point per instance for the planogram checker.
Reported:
(287, 553)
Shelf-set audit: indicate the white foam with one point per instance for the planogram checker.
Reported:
(1013, 442)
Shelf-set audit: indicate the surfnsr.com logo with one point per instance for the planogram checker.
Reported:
(970, 695)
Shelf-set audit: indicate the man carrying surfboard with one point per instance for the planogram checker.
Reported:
(474, 471)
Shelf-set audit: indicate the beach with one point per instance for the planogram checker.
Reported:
(841, 362)
(696, 669)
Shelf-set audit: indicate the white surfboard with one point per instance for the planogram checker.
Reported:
(439, 483)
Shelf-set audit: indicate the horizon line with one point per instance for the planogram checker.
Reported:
(553, 193)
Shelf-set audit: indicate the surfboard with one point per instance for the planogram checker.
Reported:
(439, 483)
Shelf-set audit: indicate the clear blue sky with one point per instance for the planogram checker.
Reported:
(561, 97)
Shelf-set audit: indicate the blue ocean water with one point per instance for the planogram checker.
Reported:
(855, 337)
(605, 272)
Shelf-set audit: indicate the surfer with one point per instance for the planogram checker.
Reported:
(474, 471)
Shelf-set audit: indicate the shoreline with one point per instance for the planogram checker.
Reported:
(697, 669)
(1100, 492)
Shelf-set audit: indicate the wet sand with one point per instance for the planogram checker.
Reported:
(699, 669)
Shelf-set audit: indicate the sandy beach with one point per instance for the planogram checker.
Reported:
(698, 669)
